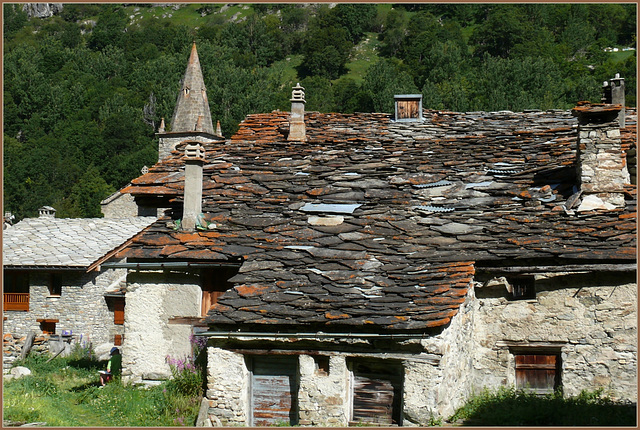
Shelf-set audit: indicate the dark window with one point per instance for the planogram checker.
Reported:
(274, 390)
(538, 372)
(48, 326)
(214, 283)
(377, 393)
(55, 284)
(523, 287)
(16, 282)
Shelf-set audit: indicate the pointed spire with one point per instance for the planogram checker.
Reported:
(192, 100)
(161, 128)
(218, 129)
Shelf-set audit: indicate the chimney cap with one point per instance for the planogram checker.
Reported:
(47, 212)
(194, 151)
(297, 95)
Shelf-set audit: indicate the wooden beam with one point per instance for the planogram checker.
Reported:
(559, 269)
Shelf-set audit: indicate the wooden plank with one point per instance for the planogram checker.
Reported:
(536, 372)
(118, 311)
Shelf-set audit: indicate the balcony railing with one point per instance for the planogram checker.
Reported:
(16, 301)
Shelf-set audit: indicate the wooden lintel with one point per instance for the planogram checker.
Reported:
(47, 320)
(192, 321)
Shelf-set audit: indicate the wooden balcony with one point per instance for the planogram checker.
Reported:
(16, 301)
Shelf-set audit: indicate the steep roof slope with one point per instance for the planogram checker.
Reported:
(372, 223)
(74, 243)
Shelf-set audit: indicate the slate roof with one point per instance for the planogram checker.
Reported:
(372, 224)
(74, 243)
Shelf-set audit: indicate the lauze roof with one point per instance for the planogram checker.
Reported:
(60, 243)
(375, 224)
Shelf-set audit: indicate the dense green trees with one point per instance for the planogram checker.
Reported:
(84, 91)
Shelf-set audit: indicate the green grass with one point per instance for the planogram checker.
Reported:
(508, 407)
(619, 57)
(65, 392)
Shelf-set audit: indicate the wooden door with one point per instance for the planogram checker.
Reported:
(408, 109)
(214, 283)
(372, 400)
(274, 390)
(377, 393)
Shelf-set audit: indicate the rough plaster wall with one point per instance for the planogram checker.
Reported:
(227, 387)
(324, 399)
(594, 317)
(153, 298)
(81, 307)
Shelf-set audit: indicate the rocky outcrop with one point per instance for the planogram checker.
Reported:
(42, 10)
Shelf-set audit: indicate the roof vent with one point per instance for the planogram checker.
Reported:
(408, 107)
(46, 212)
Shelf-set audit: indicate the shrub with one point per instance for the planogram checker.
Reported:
(511, 407)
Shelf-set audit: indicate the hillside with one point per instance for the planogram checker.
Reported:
(85, 88)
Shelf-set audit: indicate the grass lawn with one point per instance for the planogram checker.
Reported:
(66, 393)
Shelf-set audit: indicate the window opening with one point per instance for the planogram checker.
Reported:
(48, 326)
(522, 287)
(322, 365)
(55, 285)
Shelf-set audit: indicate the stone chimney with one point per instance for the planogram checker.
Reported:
(192, 206)
(297, 130)
(46, 212)
(613, 93)
(601, 169)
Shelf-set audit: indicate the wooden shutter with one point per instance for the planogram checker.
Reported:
(408, 109)
(214, 284)
(537, 372)
(118, 311)
(274, 389)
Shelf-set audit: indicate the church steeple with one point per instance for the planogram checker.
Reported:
(192, 111)
(191, 117)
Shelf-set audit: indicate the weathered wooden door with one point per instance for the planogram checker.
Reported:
(537, 372)
(377, 393)
(274, 391)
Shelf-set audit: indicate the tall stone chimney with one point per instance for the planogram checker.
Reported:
(297, 130)
(192, 206)
(602, 168)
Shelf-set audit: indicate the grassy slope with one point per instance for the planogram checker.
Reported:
(66, 393)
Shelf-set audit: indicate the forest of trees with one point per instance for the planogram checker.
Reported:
(84, 90)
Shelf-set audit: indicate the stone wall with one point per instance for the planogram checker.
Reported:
(323, 397)
(81, 307)
(227, 387)
(591, 318)
(152, 300)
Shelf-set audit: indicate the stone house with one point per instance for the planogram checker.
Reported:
(53, 283)
(376, 268)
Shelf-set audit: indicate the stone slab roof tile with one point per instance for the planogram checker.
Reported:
(66, 242)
